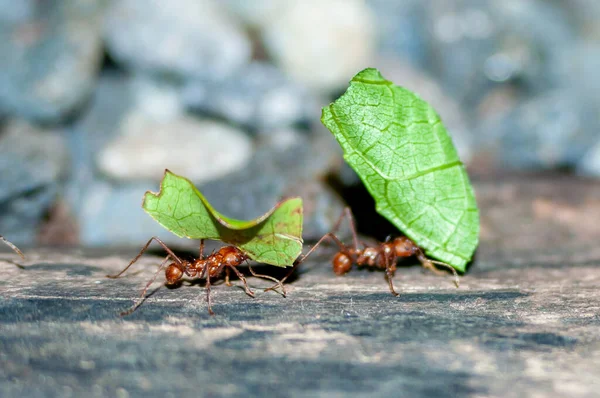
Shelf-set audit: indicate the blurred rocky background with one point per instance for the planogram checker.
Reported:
(98, 97)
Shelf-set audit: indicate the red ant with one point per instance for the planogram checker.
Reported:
(12, 246)
(210, 267)
(383, 256)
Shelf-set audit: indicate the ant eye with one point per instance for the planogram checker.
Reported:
(173, 274)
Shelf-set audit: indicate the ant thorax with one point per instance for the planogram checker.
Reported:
(370, 256)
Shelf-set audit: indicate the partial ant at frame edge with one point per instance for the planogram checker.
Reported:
(12, 246)
(382, 256)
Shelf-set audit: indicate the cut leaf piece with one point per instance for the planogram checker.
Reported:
(274, 238)
(399, 147)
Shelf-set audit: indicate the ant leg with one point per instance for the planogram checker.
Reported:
(348, 214)
(12, 246)
(278, 282)
(227, 277)
(208, 300)
(201, 249)
(305, 256)
(160, 242)
(389, 273)
(345, 213)
(243, 279)
(143, 295)
(427, 263)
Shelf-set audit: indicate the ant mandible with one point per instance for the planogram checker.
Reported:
(12, 246)
(210, 267)
(382, 256)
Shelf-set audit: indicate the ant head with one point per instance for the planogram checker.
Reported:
(173, 273)
(404, 247)
(341, 263)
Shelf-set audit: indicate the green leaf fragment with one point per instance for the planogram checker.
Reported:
(399, 147)
(274, 238)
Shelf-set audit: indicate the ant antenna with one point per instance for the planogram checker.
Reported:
(160, 242)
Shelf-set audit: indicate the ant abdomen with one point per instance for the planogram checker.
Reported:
(173, 274)
(342, 263)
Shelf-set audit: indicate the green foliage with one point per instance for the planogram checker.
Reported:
(399, 147)
(274, 238)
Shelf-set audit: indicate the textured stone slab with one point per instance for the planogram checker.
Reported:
(524, 322)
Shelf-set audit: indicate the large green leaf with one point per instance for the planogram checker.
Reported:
(274, 238)
(400, 149)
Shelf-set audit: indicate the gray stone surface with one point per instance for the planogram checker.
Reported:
(51, 54)
(524, 321)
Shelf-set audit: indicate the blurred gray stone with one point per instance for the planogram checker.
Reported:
(51, 54)
(545, 132)
(583, 15)
(321, 44)
(590, 163)
(259, 97)
(113, 99)
(255, 13)
(111, 214)
(182, 37)
(201, 150)
(476, 46)
(401, 31)
(32, 163)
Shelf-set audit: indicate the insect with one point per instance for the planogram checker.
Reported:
(383, 256)
(400, 149)
(210, 267)
(12, 246)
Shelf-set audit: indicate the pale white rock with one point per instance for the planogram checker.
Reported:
(187, 37)
(322, 43)
(201, 150)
